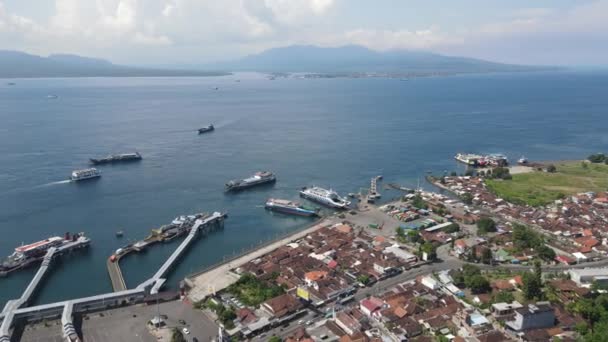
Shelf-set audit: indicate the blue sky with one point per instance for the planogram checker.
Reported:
(172, 32)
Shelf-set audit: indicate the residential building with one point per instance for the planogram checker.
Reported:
(534, 316)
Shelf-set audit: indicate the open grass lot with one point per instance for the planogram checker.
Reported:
(540, 188)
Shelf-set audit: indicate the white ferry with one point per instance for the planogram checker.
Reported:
(79, 175)
(326, 197)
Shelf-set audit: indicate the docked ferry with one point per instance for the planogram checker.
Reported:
(326, 197)
(84, 174)
(206, 129)
(289, 207)
(259, 178)
(113, 158)
(468, 158)
(33, 252)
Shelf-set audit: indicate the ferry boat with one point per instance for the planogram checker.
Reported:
(326, 197)
(206, 129)
(80, 175)
(124, 157)
(468, 158)
(33, 252)
(289, 207)
(259, 178)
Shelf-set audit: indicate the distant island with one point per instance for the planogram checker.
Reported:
(358, 61)
(304, 60)
(15, 64)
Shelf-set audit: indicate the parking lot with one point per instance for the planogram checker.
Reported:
(130, 324)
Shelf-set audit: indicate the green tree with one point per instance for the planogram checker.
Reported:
(486, 225)
(503, 297)
(363, 279)
(597, 158)
(413, 236)
(551, 168)
(466, 198)
(545, 252)
(419, 203)
(430, 250)
(400, 232)
(478, 284)
(275, 338)
(177, 336)
(532, 287)
(486, 256)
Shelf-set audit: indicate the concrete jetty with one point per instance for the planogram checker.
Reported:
(204, 224)
(118, 281)
(201, 225)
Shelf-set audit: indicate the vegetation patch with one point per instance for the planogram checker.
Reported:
(540, 188)
(253, 291)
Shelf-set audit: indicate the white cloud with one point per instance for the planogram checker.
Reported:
(139, 30)
(395, 39)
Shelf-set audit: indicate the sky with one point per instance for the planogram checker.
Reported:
(195, 32)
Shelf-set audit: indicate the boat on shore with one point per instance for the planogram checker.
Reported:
(80, 175)
(325, 197)
(259, 178)
(523, 161)
(290, 207)
(115, 158)
(34, 252)
(206, 129)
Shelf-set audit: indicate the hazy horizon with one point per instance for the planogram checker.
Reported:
(189, 32)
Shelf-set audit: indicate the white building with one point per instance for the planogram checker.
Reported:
(586, 276)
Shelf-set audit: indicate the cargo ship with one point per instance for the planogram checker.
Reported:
(206, 129)
(28, 254)
(326, 197)
(113, 158)
(80, 175)
(289, 207)
(259, 178)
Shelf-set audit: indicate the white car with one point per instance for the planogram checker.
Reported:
(186, 331)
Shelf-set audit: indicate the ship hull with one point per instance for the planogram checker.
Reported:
(114, 160)
(240, 187)
(291, 211)
(205, 130)
(323, 201)
(79, 179)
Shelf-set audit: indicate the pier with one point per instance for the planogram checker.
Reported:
(65, 310)
(118, 282)
(201, 225)
(373, 193)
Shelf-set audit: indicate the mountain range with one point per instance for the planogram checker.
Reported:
(14, 64)
(297, 58)
(358, 59)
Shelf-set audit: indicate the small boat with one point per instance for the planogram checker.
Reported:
(522, 161)
(206, 129)
(11, 83)
(52, 96)
(351, 195)
(120, 233)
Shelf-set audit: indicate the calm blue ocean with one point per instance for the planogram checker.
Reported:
(328, 132)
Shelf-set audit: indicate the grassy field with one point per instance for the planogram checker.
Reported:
(540, 188)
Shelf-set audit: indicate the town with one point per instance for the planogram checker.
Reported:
(456, 264)
(464, 265)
